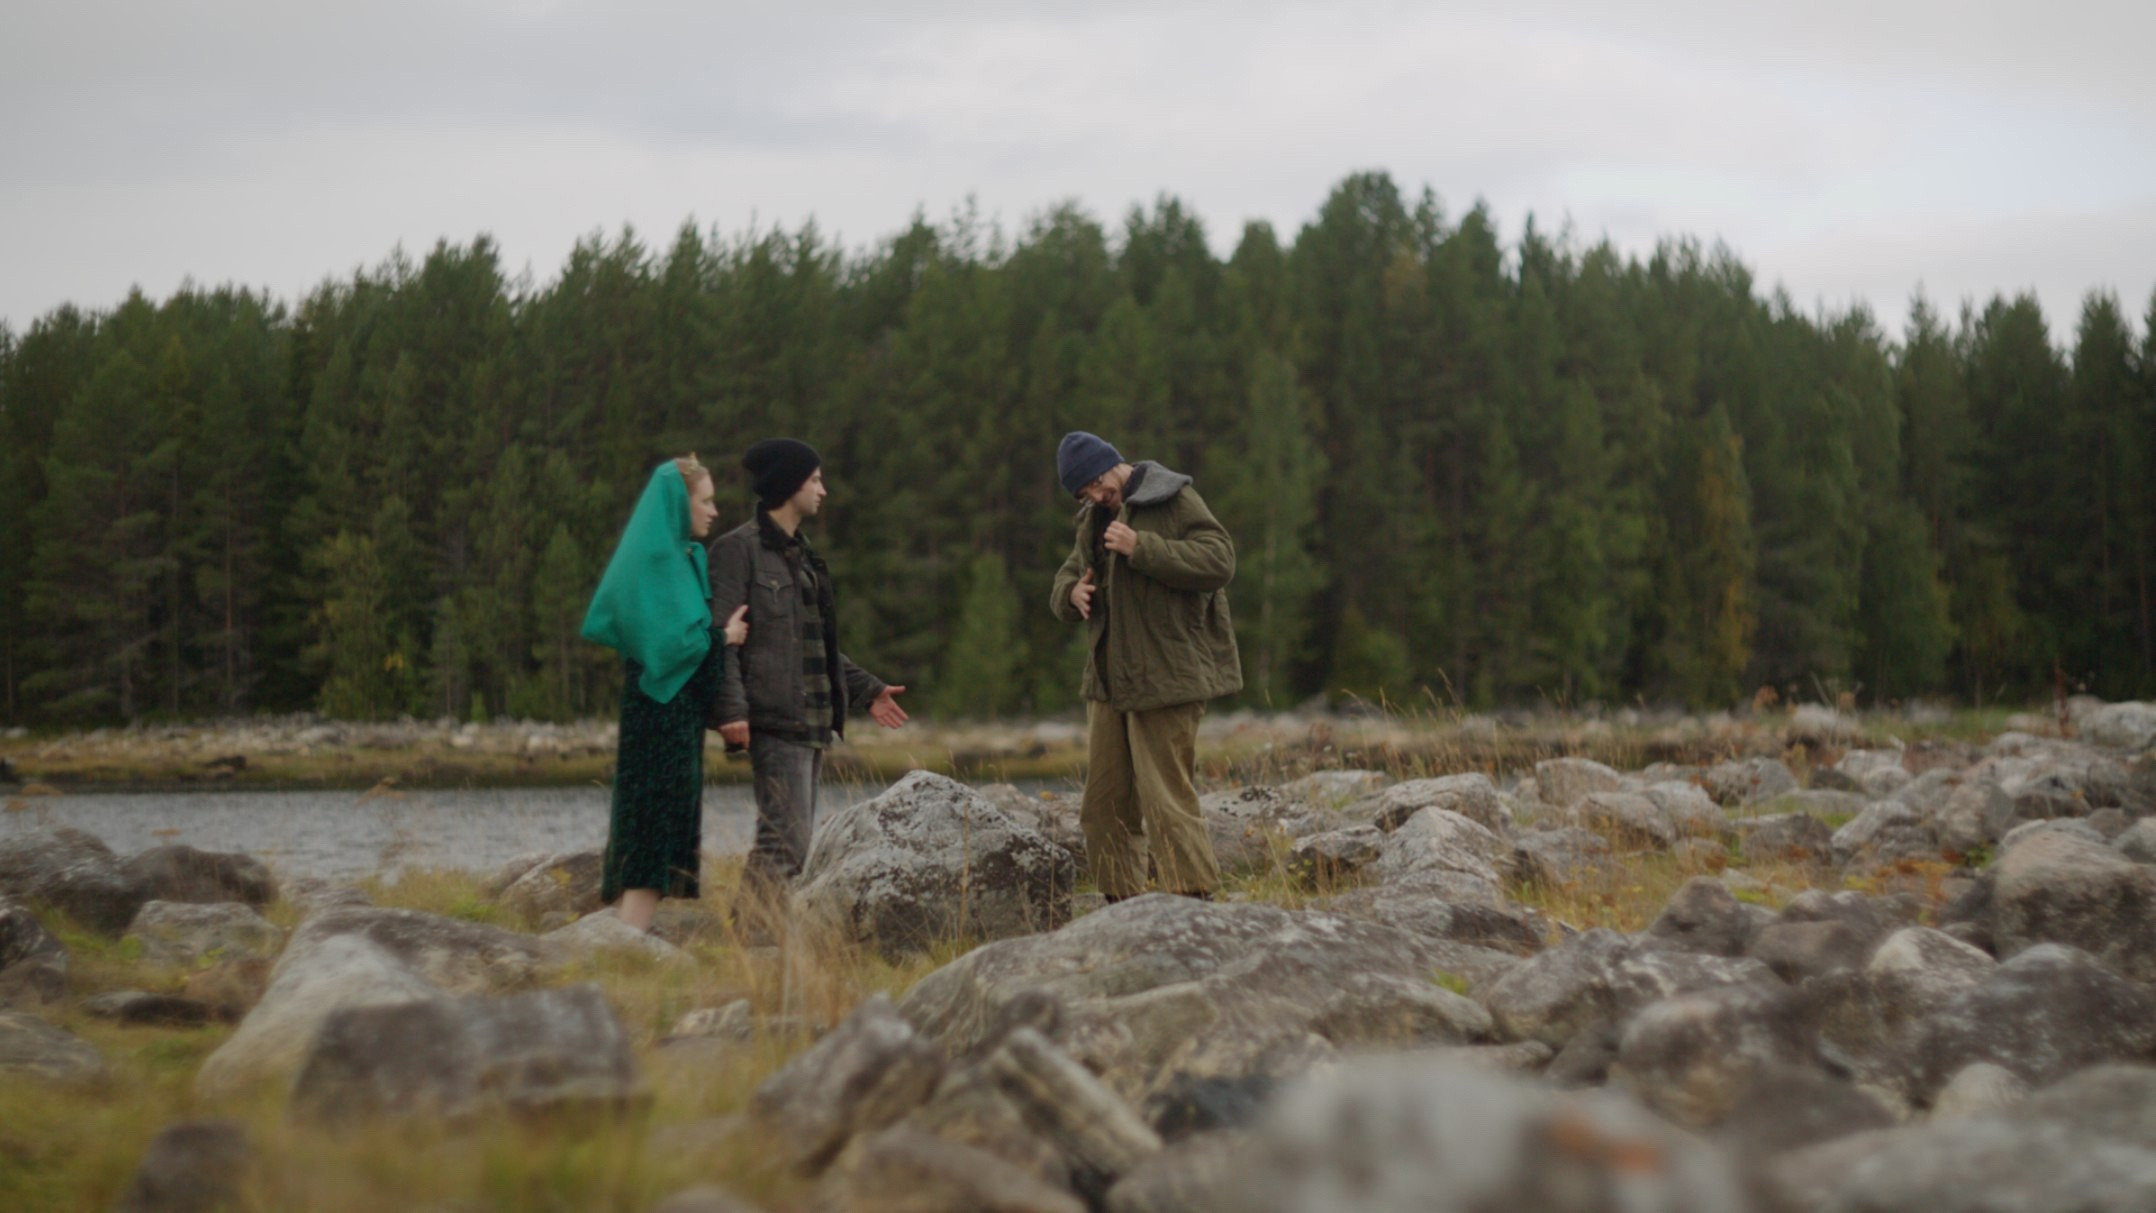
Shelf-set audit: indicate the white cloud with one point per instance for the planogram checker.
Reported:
(1849, 150)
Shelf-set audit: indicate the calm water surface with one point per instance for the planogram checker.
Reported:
(345, 835)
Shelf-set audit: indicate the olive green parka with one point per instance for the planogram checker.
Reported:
(1160, 633)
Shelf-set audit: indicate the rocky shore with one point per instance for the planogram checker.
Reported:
(1884, 977)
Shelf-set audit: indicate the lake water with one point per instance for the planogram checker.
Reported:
(345, 835)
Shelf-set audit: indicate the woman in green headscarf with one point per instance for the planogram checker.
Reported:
(654, 607)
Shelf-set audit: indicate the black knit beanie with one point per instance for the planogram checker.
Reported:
(778, 467)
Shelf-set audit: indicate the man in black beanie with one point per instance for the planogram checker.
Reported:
(786, 699)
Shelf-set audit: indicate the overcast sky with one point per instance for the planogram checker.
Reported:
(1849, 150)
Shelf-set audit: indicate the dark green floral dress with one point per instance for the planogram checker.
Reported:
(655, 835)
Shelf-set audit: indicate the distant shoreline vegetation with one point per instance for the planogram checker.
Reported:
(1458, 469)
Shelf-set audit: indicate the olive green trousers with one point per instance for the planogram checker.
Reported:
(1140, 800)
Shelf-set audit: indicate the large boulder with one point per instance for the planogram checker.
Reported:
(2125, 726)
(1884, 834)
(1472, 796)
(2043, 1014)
(1410, 1135)
(1601, 975)
(463, 958)
(1562, 857)
(1440, 842)
(2056, 887)
(1691, 1056)
(565, 882)
(1784, 838)
(1562, 782)
(1629, 820)
(1872, 772)
(1704, 916)
(542, 1051)
(900, 1170)
(75, 873)
(30, 1046)
(1162, 993)
(182, 873)
(1969, 817)
(931, 860)
(2086, 1144)
(866, 1073)
(1748, 780)
(33, 965)
(1690, 812)
(308, 985)
(183, 933)
(2138, 841)
(192, 1167)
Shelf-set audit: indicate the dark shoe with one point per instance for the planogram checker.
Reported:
(1200, 894)
(1112, 898)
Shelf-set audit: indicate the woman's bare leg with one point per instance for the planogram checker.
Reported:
(637, 906)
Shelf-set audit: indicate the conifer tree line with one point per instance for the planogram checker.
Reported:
(1493, 473)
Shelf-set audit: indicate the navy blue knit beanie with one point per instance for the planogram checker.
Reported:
(1081, 458)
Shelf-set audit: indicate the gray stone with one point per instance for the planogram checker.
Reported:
(33, 964)
(1407, 1135)
(2087, 1145)
(182, 873)
(1690, 812)
(1197, 1173)
(1966, 821)
(865, 1074)
(901, 1171)
(1976, 1088)
(1784, 1108)
(1800, 951)
(1101, 1138)
(73, 872)
(2138, 843)
(2043, 1014)
(307, 986)
(192, 1167)
(1421, 905)
(1784, 838)
(186, 934)
(603, 931)
(931, 860)
(32, 1047)
(1561, 782)
(568, 880)
(1333, 789)
(734, 1021)
(1337, 854)
(2055, 887)
(1380, 1010)
(1748, 780)
(1557, 858)
(1440, 841)
(1704, 917)
(1630, 821)
(2110, 823)
(1884, 834)
(1691, 1056)
(1602, 975)
(2071, 827)
(460, 957)
(537, 1052)
(1160, 991)
(1472, 796)
(2125, 726)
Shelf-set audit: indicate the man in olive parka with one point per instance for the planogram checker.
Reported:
(1148, 576)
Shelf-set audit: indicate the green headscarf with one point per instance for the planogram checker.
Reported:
(654, 603)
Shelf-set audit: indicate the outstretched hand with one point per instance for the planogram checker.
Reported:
(884, 709)
(1082, 596)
